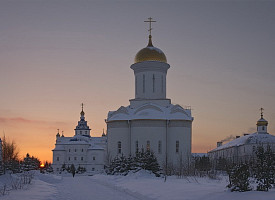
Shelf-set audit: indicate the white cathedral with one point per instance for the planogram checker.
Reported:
(82, 150)
(150, 122)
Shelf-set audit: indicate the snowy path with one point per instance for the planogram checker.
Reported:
(83, 188)
(139, 186)
(52, 187)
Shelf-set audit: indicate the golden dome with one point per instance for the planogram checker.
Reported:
(150, 53)
(262, 122)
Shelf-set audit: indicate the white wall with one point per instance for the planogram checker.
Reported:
(153, 131)
(118, 131)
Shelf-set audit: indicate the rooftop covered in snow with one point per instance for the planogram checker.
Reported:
(254, 138)
(150, 111)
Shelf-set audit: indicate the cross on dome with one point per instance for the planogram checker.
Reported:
(150, 24)
(261, 109)
(150, 53)
(262, 122)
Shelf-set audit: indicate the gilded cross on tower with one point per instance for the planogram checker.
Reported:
(150, 20)
(261, 109)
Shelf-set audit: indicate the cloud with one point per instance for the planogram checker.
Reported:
(18, 120)
(15, 120)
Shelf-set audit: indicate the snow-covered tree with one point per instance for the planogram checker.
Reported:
(264, 168)
(63, 168)
(30, 163)
(72, 169)
(80, 170)
(202, 163)
(142, 160)
(151, 163)
(49, 169)
(222, 164)
(239, 178)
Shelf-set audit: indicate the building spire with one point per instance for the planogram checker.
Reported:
(58, 135)
(150, 20)
(82, 113)
(261, 109)
(262, 123)
(103, 134)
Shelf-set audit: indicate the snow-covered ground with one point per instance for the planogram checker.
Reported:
(134, 186)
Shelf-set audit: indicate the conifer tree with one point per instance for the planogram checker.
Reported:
(63, 168)
(239, 178)
(30, 163)
(143, 160)
(264, 169)
(73, 169)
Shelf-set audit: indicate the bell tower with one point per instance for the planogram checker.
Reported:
(150, 69)
(82, 128)
(262, 124)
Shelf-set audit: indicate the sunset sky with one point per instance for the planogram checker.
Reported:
(56, 54)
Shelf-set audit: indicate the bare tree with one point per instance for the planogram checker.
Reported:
(10, 154)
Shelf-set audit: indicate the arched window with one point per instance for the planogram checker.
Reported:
(143, 83)
(153, 82)
(159, 147)
(148, 145)
(136, 146)
(119, 147)
(162, 83)
(177, 146)
(136, 84)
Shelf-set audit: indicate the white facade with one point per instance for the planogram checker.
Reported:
(242, 149)
(81, 150)
(150, 121)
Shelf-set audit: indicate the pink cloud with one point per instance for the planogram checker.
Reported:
(28, 121)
